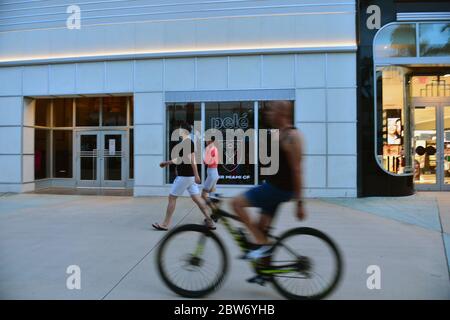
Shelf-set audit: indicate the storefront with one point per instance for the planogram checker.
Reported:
(403, 97)
(83, 142)
(94, 107)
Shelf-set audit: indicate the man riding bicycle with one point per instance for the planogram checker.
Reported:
(283, 186)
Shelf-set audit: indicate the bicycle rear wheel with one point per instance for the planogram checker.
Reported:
(192, 261)
(305, 264)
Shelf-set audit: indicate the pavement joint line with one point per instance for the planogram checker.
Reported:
(145, 256)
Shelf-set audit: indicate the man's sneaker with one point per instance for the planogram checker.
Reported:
(210, 224)
(261, 252)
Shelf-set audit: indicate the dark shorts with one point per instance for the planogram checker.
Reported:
(267, 197)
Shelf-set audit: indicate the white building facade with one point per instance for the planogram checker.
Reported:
(93, 107)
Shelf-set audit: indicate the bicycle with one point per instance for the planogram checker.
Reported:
(282, 265)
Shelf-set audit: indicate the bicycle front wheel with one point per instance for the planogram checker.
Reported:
(305, 264)
(192, 261)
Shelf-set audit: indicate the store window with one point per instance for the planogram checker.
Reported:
(240, 163)
(87, 112)
(42, 112)
(397, 87)
(62, 154)
(131, 106)
(63, 112)
(114, 111)
(397, 40)
(263, 124)
(180, 114)
(131, 153)
(41, 154)
(394, 120)
(54, 134)
(237, 167)
(434, 39)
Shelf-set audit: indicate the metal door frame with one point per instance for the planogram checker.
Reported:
(445, 103)
(86, 183)
(100, 181)
(124, 154)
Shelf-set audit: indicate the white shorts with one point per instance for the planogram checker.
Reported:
(211, 179)
(180, 184)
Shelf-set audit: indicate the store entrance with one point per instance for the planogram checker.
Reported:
(101, 159)
(432, 143)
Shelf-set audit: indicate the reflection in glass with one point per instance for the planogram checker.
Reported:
(425, 145)
(177, 115)
(398, 40)
(113, 157)
(62, 154)
(62, 112)
(233, 115)
(42, 112)
(88, 157)
(41, 154)
(447, 145)
(114, 111)
(87, 112)
(434, 39)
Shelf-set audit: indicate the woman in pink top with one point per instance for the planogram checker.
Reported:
(211, 160)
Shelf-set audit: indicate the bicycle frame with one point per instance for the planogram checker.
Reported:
(242, 241)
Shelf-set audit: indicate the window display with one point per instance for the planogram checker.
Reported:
(236, 167)
(394, 121)
(233, 126)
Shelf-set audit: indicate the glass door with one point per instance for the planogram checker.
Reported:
(101, 159)
(446, 147)
(425, 148)
(87, 161)
(113, 159)
(432, 145)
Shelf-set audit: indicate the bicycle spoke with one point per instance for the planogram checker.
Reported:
(305, 280)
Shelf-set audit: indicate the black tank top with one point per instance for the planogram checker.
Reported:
(283, 178)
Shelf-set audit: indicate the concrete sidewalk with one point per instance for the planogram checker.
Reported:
(112, 241)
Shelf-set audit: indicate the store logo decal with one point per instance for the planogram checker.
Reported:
(238, 145)
(230, 122)
(230, 153)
